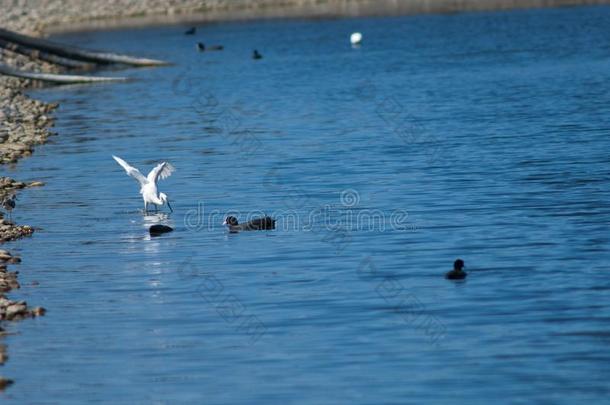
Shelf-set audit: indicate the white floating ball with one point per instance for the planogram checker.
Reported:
(355, 38)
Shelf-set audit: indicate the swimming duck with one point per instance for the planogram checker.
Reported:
(201, 47)
(190, 31)
(256, 55)
(256, 224)
(457, 273)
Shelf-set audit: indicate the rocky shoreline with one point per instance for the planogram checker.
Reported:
(12, 310)
(38, 16)
(24, 123)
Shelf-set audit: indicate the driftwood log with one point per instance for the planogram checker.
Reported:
(70, 57)
(75, 53)
(47, 57)
(57, 78)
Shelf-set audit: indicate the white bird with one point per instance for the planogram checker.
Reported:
(148, 184)
(355, 38)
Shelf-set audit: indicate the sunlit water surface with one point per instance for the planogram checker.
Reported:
(489, 130)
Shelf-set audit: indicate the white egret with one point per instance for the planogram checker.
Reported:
(148, 184)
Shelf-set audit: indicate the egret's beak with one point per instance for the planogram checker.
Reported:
(169, 206)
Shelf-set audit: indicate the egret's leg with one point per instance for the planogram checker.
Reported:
(145, 207)
(156, 208)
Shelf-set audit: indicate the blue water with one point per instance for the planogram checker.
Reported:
(480, 136)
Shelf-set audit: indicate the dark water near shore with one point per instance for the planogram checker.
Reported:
(489, 130)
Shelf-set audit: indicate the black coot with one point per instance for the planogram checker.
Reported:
(257, 224)
(457, 273)
(201, 47)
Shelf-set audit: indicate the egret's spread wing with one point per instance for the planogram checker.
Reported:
(132, 171)
(161, 171)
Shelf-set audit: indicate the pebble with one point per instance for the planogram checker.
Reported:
(16, 310)
(13, 310)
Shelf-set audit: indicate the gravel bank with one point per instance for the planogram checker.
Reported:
(60, 15)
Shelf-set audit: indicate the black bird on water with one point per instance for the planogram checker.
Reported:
(201, 47)
(190, 31)
(457, 273)
(256, 55)
(257, 224)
